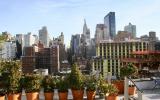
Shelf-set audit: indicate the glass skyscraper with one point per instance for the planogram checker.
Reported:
(110, 23)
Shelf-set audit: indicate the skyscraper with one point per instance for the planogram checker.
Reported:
(75, 44)
(131, 29)
(29, 39)
(100, 33)
(43, 36)
(86, 34)
(110, 23)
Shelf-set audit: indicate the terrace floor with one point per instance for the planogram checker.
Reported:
(41, 96)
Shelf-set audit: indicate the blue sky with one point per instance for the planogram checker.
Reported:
(22, 16)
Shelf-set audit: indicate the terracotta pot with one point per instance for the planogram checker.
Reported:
(131, 90)
(120, 86)
(2, 97)
(63, 95)
(91, 95)
(48, 95)
(77, 94)
(32, 96)
(111, 97)
(14, 96)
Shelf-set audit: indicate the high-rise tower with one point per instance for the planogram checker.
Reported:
(131, 29)
(43, 36)
(110, 23)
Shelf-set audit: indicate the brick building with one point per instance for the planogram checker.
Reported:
(40, 58)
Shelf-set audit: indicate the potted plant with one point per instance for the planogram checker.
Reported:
(91, 85)
(32, 85)
(113, 92)
(131, 90)
(62, 86)
(104, 89)
(129, 71)
(76, 82)
(12, 79)
(119, 84)
(48, 85)
(101, 85)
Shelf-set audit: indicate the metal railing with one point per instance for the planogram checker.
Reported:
(140, 92)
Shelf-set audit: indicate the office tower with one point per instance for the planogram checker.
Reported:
(152, 40)
(75, 44)
(29, 59)
(60, 42)
(100, 33)
(29, 39)
(43, 36)
(110, 23)
(131, 29)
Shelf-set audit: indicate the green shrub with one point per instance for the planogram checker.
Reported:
(76, 79)
(32, 83)
(91, 83)
(48, 84)
(63, 84)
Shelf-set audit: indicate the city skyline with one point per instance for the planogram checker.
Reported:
(67, 16)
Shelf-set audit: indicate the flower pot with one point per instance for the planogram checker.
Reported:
(48, 95)
(120, 86)
(91, 95)
(2, 97)
(132, 90)
(111, 97)
(77, 94)
(14, 96)
(63, 95)
(32, 96)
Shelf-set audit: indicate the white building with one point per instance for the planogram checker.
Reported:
(131, 29)
(43, 36)
(9, 50)
(29, 39)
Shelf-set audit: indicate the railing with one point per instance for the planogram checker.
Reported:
(140, 92)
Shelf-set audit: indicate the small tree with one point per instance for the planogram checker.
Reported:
(76, 79)
(128, 70)
(32, 83)
(48, 83)
(12, 76)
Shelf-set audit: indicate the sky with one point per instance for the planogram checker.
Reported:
(67, 16)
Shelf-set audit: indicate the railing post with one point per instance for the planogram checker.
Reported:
(109, 77)
(139, 95)
(126, 88)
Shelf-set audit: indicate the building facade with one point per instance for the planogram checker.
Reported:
(109, 55)
(44, 37)
(75, 44)
(110, 23)
(101, 33)
(29, 39)
(36, 57)
(9, 50)
(131, 29)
